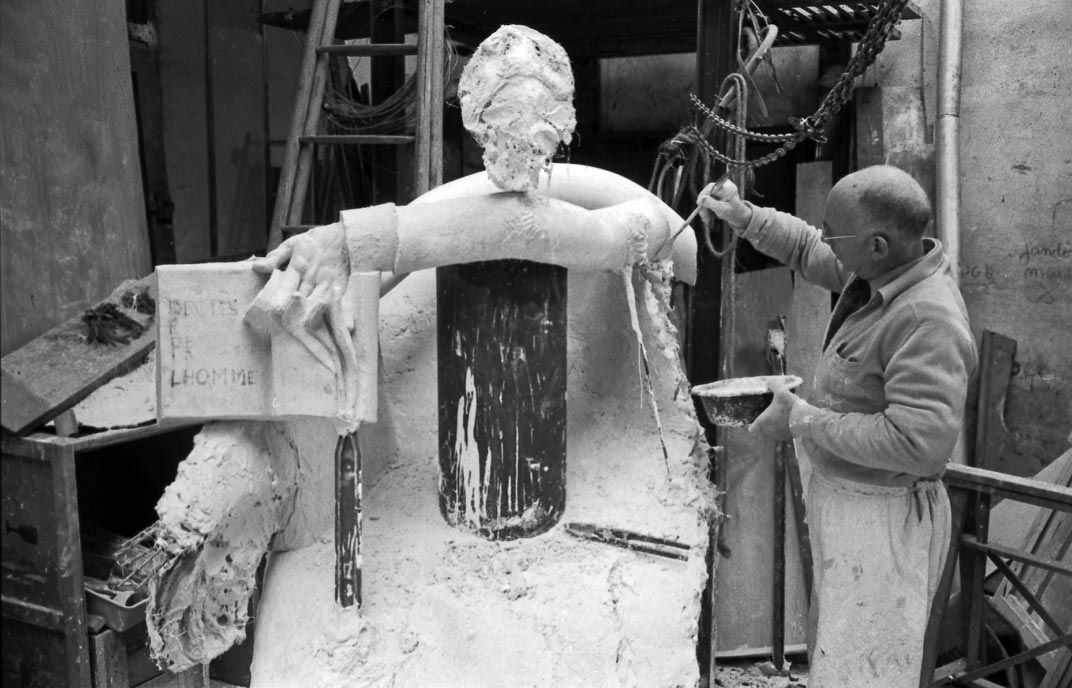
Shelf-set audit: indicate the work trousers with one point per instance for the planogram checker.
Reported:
(878, 553)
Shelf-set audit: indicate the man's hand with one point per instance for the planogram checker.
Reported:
(774, 422)
(725, 202)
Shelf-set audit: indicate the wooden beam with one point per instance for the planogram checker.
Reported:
(991, 436)
(60, 368)
(973, 543)
(968, 677)
(1021, 489)
(1029, 596)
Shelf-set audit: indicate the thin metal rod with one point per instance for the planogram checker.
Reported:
(778, 573)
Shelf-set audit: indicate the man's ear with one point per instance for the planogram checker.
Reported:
(880, 247)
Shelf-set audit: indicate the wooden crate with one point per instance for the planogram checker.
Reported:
(43, 614)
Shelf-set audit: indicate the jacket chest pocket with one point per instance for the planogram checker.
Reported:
(849, 385)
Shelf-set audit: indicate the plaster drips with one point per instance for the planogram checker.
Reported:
(233, 492)
(516, 95)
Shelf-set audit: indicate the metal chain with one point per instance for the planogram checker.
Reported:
(733, 128)
(735, 162)
(872, 43)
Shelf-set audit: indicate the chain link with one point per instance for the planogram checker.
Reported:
(731, 127)
(874, 40)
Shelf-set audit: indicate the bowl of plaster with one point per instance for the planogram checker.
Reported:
(738, 401)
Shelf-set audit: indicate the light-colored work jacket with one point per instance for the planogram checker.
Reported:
(888, 396)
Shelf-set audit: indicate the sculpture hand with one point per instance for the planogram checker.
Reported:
(318, 262)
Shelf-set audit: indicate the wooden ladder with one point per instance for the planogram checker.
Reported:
(304, 135)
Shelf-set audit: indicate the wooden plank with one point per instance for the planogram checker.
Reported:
(1029, 596)
(996, 356)
(429, 154)
(368, 49)
(870, 144)
(958, 503)
(109, 655)
(159, 208)
(1022, 489)
(237, 126)
(973, 566)
(359, 140)
(1020, 658)
(60, 368)
(32, 614)
(743, 600)
(1019, 524)
(974, 543)
(303, 100)
(73, 215)
(69, 563)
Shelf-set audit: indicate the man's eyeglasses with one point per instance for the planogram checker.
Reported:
(843, 236)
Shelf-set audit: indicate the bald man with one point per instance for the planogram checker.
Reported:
(882, 419)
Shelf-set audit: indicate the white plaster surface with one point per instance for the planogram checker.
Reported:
(124, 402)
(445, 608)
(516, 96)
(234, 490)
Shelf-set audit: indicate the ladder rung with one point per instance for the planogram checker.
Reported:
(359, 139)
(368, 50)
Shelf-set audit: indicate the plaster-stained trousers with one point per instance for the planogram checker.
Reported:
(878, 553)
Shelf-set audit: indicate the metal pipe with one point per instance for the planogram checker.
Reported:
(947, 151)
(947, 172)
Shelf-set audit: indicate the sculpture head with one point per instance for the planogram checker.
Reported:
(517, 101)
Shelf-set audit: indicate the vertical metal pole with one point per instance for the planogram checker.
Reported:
(714, 60)
(778, 577)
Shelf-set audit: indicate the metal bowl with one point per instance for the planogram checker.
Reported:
(738, 401)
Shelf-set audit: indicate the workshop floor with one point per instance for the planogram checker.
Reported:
(752, 674)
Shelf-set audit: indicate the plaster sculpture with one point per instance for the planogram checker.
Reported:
(517, 101)
(215, 538)
(582, 218)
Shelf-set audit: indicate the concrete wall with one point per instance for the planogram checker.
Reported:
(1016, 194)
(71, 211)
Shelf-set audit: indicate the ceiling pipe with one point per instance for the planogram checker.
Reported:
(946, 135)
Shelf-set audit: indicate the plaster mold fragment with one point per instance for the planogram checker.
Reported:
(233, 492)
(516, 95)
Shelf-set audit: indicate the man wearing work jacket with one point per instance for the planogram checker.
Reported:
(883, 418)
